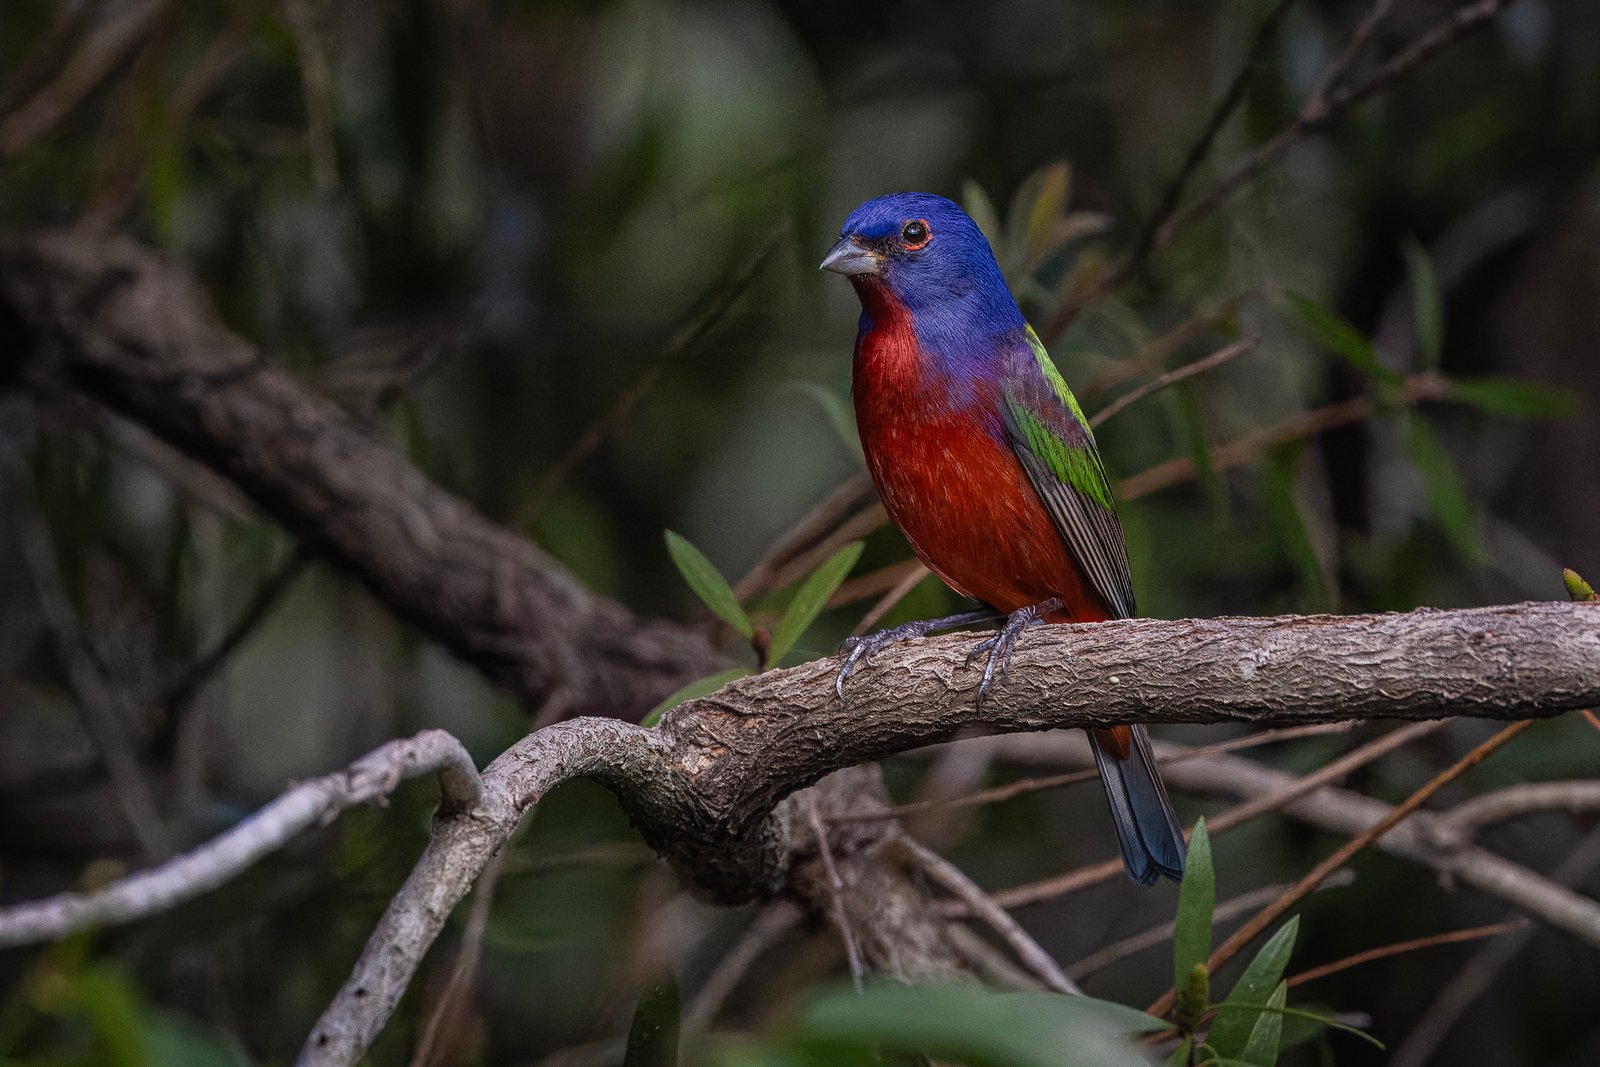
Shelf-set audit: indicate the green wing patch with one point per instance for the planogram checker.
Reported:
(1051, 438)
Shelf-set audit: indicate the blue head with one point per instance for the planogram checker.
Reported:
(926, 254)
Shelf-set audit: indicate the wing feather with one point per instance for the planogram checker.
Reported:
(1057, 450)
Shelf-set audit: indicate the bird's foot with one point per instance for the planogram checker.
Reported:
(860, 650)
(1003, 643)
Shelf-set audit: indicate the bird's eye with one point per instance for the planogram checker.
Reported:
(915, 234)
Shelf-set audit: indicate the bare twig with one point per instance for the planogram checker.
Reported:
(1574, 798)
(1162, 933)
(682, 341)
(1453, 937)
(262, 601)
(1342, 855)
(308, 804)
(102, 48)
(1323, 110)
(1024, 786)
(770, 924)
(1475, 978)
(887, 602)
(107, 709)
(828, 512)
(981, 905)
(453, 999)
(1172, 195)
(841, 919)
(1172, 377)
(1285, 794)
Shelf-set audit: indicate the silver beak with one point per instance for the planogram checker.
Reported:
(847, 257)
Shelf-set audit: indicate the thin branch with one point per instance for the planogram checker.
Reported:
(1343, 854)
(841, 918)
(1024, 786)
(1162, 933)
(889, 600)
(766, 929)
(262, 601)
(843, 501)
(1284, 795)
(1172, 195)
(1573, 798)
(453, 999)
(1453, 937)
(1172, 377)
(102, 49)
(683, 341)
(981, 905)
(308, 804)
(1298, 427)
(1322, 112)
(1474, 979)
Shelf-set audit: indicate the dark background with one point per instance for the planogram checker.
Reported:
(483, 225)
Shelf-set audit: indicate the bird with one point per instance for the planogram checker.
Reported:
(985, 461)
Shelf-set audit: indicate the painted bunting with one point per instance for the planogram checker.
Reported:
(985, 461)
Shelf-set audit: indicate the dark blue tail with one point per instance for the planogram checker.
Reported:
(1152, 844)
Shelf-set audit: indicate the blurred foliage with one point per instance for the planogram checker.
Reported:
(487, 228)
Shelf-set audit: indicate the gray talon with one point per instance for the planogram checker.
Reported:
(1001, 645)
(860, 650)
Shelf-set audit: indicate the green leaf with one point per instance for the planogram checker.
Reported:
(1447, 493)
(1515, 397)
(698, 688)
(1197, 898)
(1230, 1034)
(708, 583)
(1180, 1055)
(809, 601)
(1427, 305)
(1336, 333)
(968, 1023)
(653, 1037)
(1262, 1047)
(1577, 589)
(1297, 1013)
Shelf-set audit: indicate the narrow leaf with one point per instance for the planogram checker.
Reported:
(1197, 898)
(1231, 1032)
(1427, 305)
(1336, 333)
(1447, 493)
(693, 691)
(708, 583)
(1262, 1047)
(653, 1037)
(1297, 1013)
(1516, 397)
(1180, 1055)
(969, 1024)
(809, 601)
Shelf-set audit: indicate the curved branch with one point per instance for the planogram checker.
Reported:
(221, 859)
(140, 337)
(1574, 798)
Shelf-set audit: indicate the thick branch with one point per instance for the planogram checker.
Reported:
(707, 788)
(140, 337)
(218, 861)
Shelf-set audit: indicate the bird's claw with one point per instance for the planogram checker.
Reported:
(859, 650)
(1004, 642)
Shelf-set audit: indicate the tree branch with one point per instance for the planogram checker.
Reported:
(139, 336)
(308, 804)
